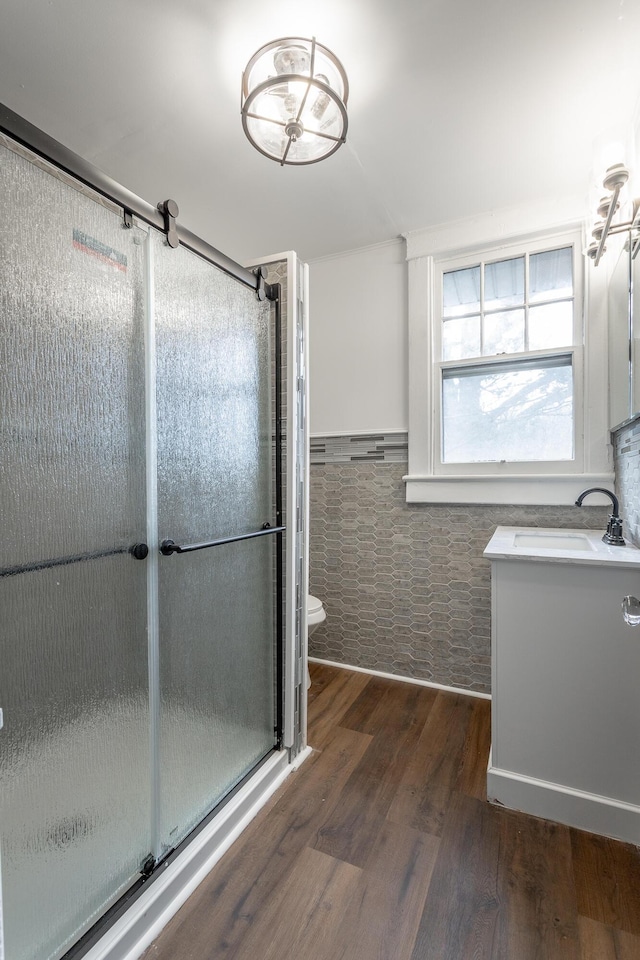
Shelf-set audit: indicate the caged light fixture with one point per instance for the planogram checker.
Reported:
(614, 180)
(294, 96)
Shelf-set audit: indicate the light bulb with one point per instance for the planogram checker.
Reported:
(291, 59)
(322, 100)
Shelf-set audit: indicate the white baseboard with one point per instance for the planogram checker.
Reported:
(553, 801)
(130, 936)
(393, 676)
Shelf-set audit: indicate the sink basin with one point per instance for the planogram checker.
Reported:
(559, 545)
(552, 541)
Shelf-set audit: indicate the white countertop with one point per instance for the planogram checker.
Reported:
(591, 549)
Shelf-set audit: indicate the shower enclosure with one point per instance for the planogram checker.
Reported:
(149, 628)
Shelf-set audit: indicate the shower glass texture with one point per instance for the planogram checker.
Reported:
(99, 767)
(217, 612)
(74, 749)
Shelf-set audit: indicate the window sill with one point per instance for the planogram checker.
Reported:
(539, 489)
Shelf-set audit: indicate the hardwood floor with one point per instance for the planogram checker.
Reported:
(383, 847)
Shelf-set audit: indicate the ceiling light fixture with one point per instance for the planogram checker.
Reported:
(294, 96)
(614, 180)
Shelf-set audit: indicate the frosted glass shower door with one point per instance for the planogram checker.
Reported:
(136, 405)
(216, 605)
(74, 748)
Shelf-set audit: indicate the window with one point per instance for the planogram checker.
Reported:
(518, 411)
(520, 407)
(498, 393)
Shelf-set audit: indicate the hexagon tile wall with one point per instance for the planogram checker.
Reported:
(405, 586)
(626, 446)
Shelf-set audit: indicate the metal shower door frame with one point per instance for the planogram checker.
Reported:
(291, 593)
(295, 308)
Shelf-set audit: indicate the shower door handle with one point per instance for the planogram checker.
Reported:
(167, 547)
(138, 550)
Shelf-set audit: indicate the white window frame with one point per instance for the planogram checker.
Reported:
(541, 482)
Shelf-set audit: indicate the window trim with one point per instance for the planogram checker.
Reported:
(540, 482)
(444, 265)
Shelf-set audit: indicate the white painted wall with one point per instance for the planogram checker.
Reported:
(358, 341)
(359, 338)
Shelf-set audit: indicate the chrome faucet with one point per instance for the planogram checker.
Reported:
(613, 532)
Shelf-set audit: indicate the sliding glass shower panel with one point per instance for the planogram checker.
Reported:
(216, 677)
(74, 753)
(215, 456)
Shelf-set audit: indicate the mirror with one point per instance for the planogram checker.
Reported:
(634, 312)
(624, 332)
(619, 302)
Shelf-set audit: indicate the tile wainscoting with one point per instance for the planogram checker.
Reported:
(405, 586)
(626, 449)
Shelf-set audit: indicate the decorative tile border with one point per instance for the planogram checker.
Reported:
(371, 447)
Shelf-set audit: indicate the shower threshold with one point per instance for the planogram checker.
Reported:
(131, 925)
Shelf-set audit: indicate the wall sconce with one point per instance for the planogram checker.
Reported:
(614, 180)
(294, 95)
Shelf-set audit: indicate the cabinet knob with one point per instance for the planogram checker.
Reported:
(631, 611)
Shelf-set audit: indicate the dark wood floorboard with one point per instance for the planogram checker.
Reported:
(460, 919)
(382, 847)
(321, 678)
(301, 914)
(328, 708)
(399, 719)
(600, 942)
(424, 793)
(383, 915)
(607, 877)
(368, 714)
(473, 772)
(539, 915)
(501, 889)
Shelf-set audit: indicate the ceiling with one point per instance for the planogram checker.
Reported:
(456, 107)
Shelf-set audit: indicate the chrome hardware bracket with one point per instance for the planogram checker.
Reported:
(169, 210)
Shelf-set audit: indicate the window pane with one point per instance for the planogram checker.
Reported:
(551, 325)
(461, 338)
(461, 292)
(551, 274)
(503, 332)
(504, 283)
(517, 412)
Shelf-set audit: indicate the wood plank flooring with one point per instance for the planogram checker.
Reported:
(382, 847)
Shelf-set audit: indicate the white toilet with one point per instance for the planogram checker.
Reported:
(316, 614)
